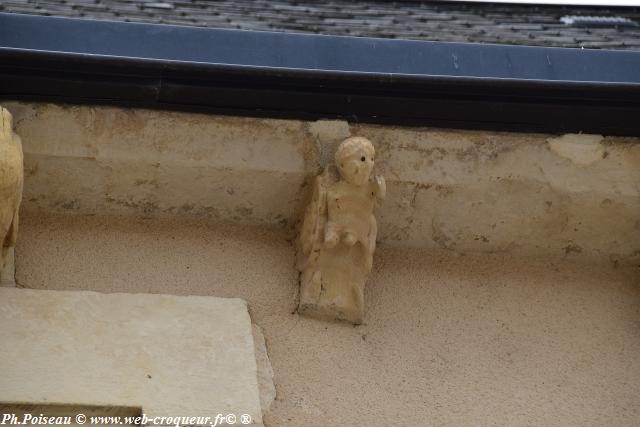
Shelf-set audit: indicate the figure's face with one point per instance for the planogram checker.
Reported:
(356, 167)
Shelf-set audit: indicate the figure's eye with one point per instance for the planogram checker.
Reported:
(363, 158)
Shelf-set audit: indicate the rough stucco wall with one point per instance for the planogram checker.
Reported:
(570, 196)
(474, 340)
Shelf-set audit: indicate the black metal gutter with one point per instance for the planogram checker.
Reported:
(458, 85)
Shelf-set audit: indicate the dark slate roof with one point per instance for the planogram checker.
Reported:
(535, 25)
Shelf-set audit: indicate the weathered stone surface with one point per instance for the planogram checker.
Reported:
(153, 164)
(573, 196)
(11, 178)
(537, 195)
(582, 150)
(265, 371)
(338, 235)
(172, 356)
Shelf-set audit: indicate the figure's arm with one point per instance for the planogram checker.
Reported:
(380, 186)
(312, 229)
(371, 244)
(331, 232)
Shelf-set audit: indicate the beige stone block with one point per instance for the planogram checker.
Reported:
(265, 371)
(97, 160)
(172, 356)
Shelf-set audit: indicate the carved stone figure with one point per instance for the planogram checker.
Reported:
(338, 235)
(11, 179)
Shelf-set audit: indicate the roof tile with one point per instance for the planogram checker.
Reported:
(438, 21)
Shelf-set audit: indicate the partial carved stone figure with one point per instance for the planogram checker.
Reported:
(11, 179)
(338, 235)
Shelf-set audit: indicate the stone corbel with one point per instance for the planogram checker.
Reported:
(338, 235)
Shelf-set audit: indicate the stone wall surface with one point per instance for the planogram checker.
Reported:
(171, 356)
(535, 194)
(109, 160)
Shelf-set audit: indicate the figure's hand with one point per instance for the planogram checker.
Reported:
(381, 186)
(349, 239)
(331, 237)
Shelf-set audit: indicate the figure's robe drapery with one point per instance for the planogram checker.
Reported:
(332, 279)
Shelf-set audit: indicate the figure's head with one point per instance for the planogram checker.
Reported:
(354, 159)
